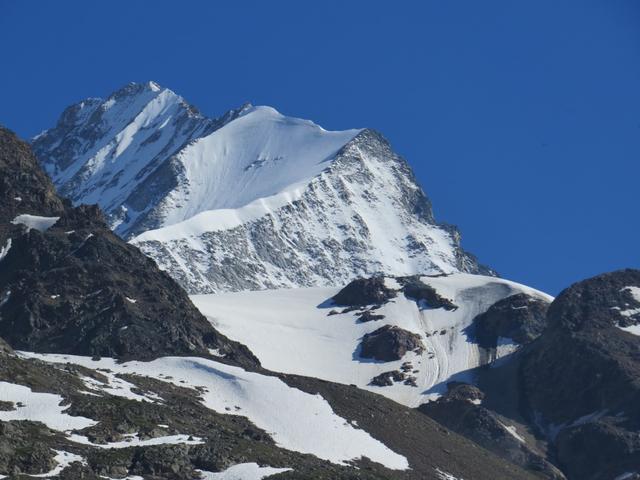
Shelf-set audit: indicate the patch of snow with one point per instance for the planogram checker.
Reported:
(5, 298)
(514, 432)
(391, 283)
(296, 420)
(634, 291)
(116, 386)
(553, 430)
(504, 347)
(63, 459)
(5, 250)
(132, 440)
(442, 475)
(626, 475)
(130, 477)
(39, 407)
(35, 222)
(634, 329)
(243, 471)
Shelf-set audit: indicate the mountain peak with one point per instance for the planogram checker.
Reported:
(163, 172)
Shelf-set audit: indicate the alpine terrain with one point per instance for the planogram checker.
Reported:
(252, 296)
(251, 200)
(109, 371)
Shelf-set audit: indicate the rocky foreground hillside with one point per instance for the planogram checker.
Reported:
(109, 371)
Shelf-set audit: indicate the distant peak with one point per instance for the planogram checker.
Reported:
(133, 88)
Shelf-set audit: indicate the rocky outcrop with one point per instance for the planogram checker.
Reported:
(424, 294)
(389, 343)
(364, 291)
(521, 318)
(24, 187)
(580, 379)
(77, 288)
(461, 411)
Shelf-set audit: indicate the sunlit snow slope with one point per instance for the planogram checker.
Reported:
(297, 421)
(292, 331)
(252, 200)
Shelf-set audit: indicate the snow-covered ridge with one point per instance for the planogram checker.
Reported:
(149, 159)
(295, 331)
(364, 214)
(251, 200)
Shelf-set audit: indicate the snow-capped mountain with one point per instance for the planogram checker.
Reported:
(107, 370)
(251, 200)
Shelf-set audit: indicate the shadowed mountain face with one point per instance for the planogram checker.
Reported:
(68, 284)
(581, 379)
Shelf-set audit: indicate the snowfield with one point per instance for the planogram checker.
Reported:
(296, 420)
(290, 331)
(243, 471)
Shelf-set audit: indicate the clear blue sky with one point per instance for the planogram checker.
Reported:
(521, 119)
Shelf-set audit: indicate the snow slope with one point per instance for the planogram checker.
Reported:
(39, 407)
(251, 200)
(243, 471)
(296, 420)
(290, 331)
(363, 214)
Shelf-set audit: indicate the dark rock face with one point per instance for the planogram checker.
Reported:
(24, 187)
(581, 379)
(77, 288)
(457, 412)
(389, 343)
(23, 448)
(520, 317)
(368, 316)
(386, 379)
(419, 291)
(364, 291)
(588, 448)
